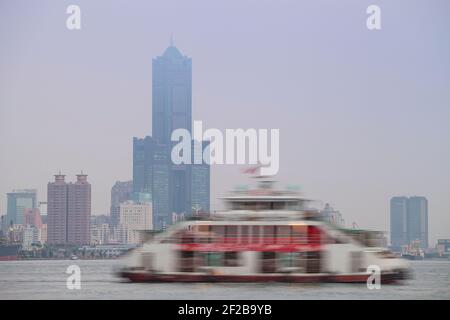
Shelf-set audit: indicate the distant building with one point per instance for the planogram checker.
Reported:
(57, 209)
(200, 181)
(120, 192)
(151, 175)
(408, 222)
(443, 247)
(69, 211)
(79, 211)
(18, 201)
(417, 221)
(172, 94)
(399, 214)
(100, 234)
(135, 218)
(31, 236)
(32, 217)
(43, 233)
(331, 215)
(175, 189)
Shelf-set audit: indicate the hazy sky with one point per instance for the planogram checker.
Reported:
(363, 115)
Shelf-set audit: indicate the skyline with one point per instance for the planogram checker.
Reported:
(61, 71)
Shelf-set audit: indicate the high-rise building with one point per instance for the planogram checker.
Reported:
(172, 94)
(143, 153)
(172, 187)
(57, 211)
(32, 217)
(200, 181)
(69, 211)
(417, 221)
(409, 221)
(79, 211)
(120, 192)
(18, 201)
(134, 218)
(399, 213)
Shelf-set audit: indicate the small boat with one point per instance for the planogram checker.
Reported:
(410, 256)
(74, 257)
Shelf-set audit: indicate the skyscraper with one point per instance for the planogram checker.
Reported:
(200, 181)
(143, 153)
(399, 212)
(173, 188)
(18, 201)
(79, 211)
(120, 192)
(409, 221)
(69, 211)
(417, 224)
(172, 109)
(172, 94)
(57, 211)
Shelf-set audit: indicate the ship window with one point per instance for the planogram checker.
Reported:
(231, 259)
(255, 234)
(299, 234)
(293, 205)
(214, 259)
(290, 260)
(269, 234)
(356, 261)
(245, 232)
(283, 234)
(278, 205)
(218, 230)
(231, 234)
(202, 228)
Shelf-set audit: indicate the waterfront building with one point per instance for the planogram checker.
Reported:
(57, 206)
(398, 217)
(134, 218)
(79, 211)
(18, 201)
(30, 236)
(417, 220)
(100, 233)
(120, 192)
(32, 217)
(408, 222)
(69, 211)
(443, 247)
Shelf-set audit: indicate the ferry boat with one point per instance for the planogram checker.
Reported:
(264, 235)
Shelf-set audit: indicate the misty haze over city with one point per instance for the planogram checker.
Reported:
(362, 116)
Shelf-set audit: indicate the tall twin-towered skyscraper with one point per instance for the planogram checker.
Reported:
(409, 221)
(173, 188)
(68, 211)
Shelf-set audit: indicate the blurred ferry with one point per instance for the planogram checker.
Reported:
(265, 235)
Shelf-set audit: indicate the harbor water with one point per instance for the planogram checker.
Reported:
(47, 279)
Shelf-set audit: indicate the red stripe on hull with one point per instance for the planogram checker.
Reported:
(8, 258)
